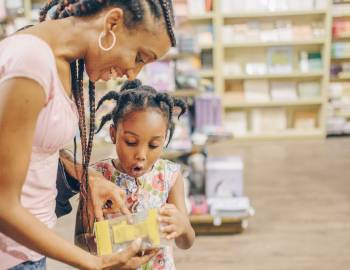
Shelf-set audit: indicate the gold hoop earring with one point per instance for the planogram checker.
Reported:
(102, 35)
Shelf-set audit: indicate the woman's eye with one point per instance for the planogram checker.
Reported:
(139, 59)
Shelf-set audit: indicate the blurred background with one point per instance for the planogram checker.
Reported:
(264, 148)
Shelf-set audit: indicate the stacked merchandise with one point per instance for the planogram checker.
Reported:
(338, 122)
(281, 30)
(224, 188)
(279, 60)
(233, 6)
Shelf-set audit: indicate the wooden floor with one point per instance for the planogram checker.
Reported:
(301, 194)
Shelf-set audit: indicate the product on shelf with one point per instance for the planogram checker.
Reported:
(340, 49)
(236, 122)
(268, 120)
(237, 6)
(279, 30)
(256, 90)
(199, 7)
(308, 90)
(207, 112)
(305, 120)
(283, 91)
(280, 59)
(224, 177)
(160, 75)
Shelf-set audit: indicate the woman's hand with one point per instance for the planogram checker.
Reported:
(175, 222)
(125, 260)
(103, 191)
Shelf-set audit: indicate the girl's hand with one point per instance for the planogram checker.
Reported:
(175, 222)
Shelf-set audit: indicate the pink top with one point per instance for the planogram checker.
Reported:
(28, 56)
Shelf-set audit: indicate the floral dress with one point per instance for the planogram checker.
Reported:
(151, 192)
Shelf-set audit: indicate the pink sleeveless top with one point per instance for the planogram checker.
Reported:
(28, 56)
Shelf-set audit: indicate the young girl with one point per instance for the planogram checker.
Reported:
(142, 121)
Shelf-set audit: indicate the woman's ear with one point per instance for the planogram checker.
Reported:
(112, 133)
(113, 19)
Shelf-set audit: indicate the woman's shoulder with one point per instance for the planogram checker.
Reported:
(26, 47)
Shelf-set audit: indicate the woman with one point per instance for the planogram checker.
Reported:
(41, 68)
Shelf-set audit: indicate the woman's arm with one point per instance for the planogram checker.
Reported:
(101, 190)
(21, 101)
(174, 214)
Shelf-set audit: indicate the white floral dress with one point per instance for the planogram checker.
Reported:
(152, 192)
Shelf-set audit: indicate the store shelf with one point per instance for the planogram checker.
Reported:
(234, 105)
(344, 76)
(206, 73)
(203, 225)
(275, 43)
(341, 38)
(289, 134)
(185, 93)
(341, 15)
(297, 74)
(344, 57)
(265, 14)
(201, 17)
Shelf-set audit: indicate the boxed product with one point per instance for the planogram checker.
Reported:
(268, 120)
(256, 90)
(283, 91)
(224, 177)
(305, 120)
(115, 235)
(309, 90)
(236, 122)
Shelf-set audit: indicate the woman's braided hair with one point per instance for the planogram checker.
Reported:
(134, 96)
(134, 11)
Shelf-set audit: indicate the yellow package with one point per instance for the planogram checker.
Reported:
(115, 235)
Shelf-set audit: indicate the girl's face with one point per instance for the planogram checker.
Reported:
(139, 140)
(134, 47)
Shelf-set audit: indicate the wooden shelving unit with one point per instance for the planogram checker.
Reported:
(221, 51)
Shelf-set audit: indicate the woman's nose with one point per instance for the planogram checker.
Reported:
(131, 74)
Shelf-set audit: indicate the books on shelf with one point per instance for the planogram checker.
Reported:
(268, 120)
(256, 90)
(283, 91)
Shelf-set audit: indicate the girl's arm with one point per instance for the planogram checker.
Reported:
(21, 101)
(174, 214)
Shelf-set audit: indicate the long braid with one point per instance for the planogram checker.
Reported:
(168, 17)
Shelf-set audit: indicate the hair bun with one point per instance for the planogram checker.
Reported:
(131, 85)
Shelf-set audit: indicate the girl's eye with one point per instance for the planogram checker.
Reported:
(139, 59)
(153, 146)
(131, 143)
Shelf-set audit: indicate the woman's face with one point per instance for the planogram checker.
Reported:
(134, 47)
(139, 140)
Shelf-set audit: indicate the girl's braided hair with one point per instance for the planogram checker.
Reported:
(134, 96)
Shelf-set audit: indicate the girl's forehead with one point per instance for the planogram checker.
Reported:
(144, 122)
